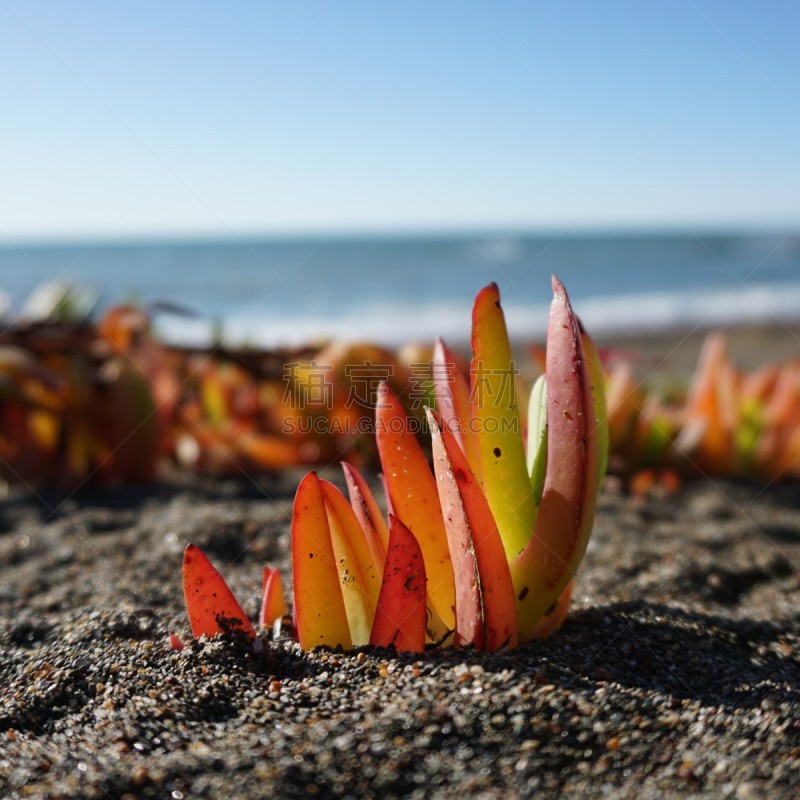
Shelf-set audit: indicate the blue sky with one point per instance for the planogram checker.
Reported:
(120, 119)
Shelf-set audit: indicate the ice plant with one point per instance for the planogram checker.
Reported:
(729, 423)
(489, 540)
(480, 548)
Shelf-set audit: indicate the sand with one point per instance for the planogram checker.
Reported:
(677, 673)
(675, 353)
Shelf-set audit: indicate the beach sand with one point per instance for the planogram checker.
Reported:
(676, 675)
(675, 352)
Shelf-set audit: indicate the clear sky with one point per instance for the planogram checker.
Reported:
(121, 118)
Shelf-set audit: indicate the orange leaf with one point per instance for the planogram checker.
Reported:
(401, 614)
(273, 602)
(711, 401)
(269, 452)
(413, 496)
(319, 611)
(211, 605)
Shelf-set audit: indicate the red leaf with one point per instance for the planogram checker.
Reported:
(401, 614)
(211, 605)
(453, 402)
(551, 558)
(485, 605)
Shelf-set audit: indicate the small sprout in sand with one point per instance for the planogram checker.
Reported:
(211, 605)
(273, 602)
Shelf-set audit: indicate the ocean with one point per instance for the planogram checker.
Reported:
(395, 289)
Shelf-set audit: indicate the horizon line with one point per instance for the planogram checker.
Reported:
(247, 236)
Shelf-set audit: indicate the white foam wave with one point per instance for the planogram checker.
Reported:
(723, 307)
(397, 324)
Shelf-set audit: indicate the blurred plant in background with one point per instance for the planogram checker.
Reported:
(726, 422)
(86, 403)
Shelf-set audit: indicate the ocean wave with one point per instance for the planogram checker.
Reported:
(399, 323)
(653, 312)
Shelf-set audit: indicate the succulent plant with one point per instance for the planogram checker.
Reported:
(481, 548)
(493, 534)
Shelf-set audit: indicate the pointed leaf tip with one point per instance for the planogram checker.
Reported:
(558, 287)
(273, 602)
(210, 603)
(452, 392)
(367, 512)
